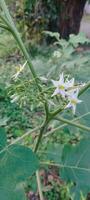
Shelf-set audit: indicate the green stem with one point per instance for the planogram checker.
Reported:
(59, 110)
(42, 130)
(39, 185)
(64, 125)
(74, 124)
(44, 126)
(46, 110)
(50, 164)
(26, 55)
(21, 138)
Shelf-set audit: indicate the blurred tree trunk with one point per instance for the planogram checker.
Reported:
(71, 12)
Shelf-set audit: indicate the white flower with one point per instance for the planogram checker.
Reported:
(57, 54)
(19, 69)
(73, 98)
(68, 90)
(61, 86)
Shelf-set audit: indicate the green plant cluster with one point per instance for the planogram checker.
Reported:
(69, 152)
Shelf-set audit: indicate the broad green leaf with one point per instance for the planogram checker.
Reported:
(75, 166)
(85, 108)
(17, 163)
(17, 194)
(54, 152)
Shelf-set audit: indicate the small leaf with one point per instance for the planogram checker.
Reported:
(52, 34)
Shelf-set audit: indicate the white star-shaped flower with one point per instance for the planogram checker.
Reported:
(61, 86)
(73, 98)
(19, 69)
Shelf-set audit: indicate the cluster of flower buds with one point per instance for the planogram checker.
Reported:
(14, 98)
(67, 90)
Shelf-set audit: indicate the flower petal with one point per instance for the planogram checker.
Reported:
(72, 94)
(55, 83)
(57, 91)
(69, 84)
(61, 80)
(68, 105)
(62, 92)
(76, 92)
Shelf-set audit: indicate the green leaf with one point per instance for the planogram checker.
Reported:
(75, 166)
(63, 43)
(17, 163)
(54, 152)
(7, 194)
(75, 40)
(52, 34)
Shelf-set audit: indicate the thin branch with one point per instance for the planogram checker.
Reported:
(39, 185)
(20, 138)
(86, 128)
(59, 110)
(50, 164)
(65, 166)
(42, 130)
(64, 125)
